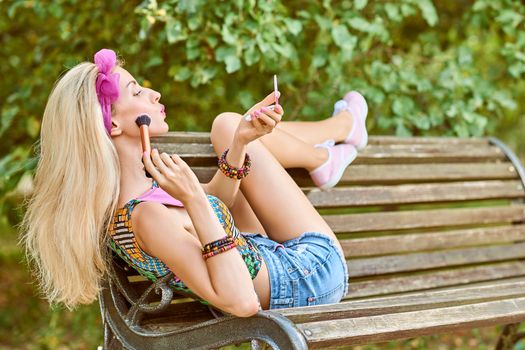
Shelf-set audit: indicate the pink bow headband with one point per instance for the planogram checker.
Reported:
(107, 83)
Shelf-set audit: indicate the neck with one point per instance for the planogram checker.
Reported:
(133, 180)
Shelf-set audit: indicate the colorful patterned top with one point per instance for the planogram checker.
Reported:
(123, 242)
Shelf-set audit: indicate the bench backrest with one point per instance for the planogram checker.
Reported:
(411, 213)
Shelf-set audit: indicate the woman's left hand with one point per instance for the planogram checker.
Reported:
(263, 121)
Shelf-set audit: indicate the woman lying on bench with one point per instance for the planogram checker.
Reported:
(91, 190)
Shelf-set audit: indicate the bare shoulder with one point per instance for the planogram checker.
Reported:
(150, 221)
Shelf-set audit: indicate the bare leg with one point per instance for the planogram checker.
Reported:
(245, 218)
(336, 128)
(279, 204)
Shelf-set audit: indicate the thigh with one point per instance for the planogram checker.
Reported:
(279, 204)
(244, 216)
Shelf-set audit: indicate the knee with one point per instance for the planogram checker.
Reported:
(224, 125)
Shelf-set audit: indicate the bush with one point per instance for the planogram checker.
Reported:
(426, 68)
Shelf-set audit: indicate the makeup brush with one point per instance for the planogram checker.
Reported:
(143, 121)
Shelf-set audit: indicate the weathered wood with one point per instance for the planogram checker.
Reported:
(203, 154)
(420, 261)
(495, 290)
(434, 279)
(419, 193)
(361, 330)
(431, 240)
(405, 173)
(414, 219)
(204, 137)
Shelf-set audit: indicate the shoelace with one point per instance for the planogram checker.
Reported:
(326, 144)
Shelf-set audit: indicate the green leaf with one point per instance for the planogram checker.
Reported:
(8, 114)
(192, 53)
(174, 31)
(153, 61)
(194, 21)
(232, 64)
(293, 25)
(180, 73)
(228, 36)
(429, 11)
(251, 55)
(403, 106)
(223, 52)
(392, 11)
(343, 38)
(360, 4)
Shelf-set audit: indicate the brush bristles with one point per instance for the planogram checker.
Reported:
(143, 119)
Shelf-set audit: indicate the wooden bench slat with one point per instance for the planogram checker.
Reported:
(414, 219)
(390, 284)
(430, 241)
(434, 279)
(197, 154)
(204, 137)
(412, 324)
(402, 173)
(418, 193)
(397, 173)
(495, 290)
(429, 260)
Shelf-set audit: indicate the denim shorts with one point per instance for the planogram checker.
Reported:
(306, 270)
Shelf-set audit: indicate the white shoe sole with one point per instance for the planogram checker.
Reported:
(340, 173)
(364, 141)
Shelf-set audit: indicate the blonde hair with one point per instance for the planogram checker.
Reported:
(76, 188)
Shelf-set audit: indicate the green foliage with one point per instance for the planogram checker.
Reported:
(426, 67)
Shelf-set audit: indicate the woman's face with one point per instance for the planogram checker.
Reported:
(133, 101)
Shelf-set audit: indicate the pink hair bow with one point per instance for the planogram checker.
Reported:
(107, 83)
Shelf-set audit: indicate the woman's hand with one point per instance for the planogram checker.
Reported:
(263, 120)
(173, 175)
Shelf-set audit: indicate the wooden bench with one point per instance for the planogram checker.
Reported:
(433, 231)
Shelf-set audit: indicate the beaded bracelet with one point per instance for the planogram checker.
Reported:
(218, 251)
(217, 248)
(217, 243)
(232, 171)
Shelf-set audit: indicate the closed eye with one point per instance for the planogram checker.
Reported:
(136, 94)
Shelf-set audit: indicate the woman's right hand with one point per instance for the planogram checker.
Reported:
(173, 175)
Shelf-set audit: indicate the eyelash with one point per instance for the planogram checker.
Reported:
(137, 93)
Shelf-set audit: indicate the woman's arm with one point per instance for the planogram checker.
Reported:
(224, 187)
(221, 185)
(223, 280)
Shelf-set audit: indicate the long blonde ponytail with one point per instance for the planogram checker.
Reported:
(76, 188)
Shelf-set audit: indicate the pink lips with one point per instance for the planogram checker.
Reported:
(163, 110)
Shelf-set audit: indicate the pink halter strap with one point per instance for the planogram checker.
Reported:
(157, 194)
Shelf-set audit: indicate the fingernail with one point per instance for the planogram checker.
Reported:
(264, 109)
(257, 114)
(145, 154)
(278, 108)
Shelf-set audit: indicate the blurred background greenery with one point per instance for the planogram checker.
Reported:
(426, 68)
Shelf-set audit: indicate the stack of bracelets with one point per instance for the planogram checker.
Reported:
(234, 172)
(218, 246)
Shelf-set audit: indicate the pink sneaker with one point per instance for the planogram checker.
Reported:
(356, 104)
(330, 172)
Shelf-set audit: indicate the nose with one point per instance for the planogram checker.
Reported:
(156, 95)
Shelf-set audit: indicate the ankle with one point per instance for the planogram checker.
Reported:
(319, 157)
(346, 123)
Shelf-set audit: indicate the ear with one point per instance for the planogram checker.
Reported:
(115, 128)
